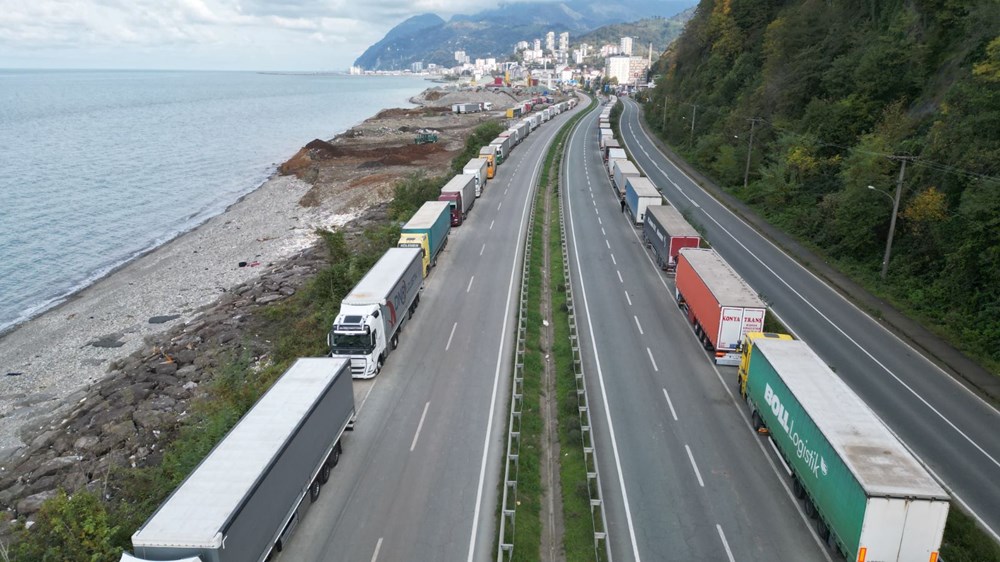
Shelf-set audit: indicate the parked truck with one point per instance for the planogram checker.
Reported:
(615, 154)
(639, 194)
(514, 112)
(460, 191)
(720, 305)
(608, 145)
(666, 232)
(489, 152)
(477, 167)
(622, 169)
(371, 316)
(523, 130)
(503, 148)
(245, 499)
(872, 500)
(428, 230)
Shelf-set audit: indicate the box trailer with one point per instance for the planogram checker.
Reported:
(622, 169)
(871, 498)
(465, 185)
(489, 152)
(639, 194)
(477, 167)
(615, 153)
(666, 232)
(608, 145)
(371, 316)
(511, 133)
(720, 305)
(428, 230)
(246, 497)
(503, 148)
(523, 130)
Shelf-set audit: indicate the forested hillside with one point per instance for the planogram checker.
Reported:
(838, 95)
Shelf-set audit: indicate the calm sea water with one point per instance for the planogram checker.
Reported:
(97, 167)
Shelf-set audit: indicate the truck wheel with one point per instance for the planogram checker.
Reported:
(823, 530)
(314, 489)
(324, 473)
(394, 342)
(758, 423)
(334, 455)
(810, 508)
(378, 365)
(797, 488)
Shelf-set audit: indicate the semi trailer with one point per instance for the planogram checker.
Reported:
(503, 148)
(245, 499)
(666, 232)
(489, 153)
(428, 230)
(477, 167)
(461, 192)
(639, 194)
(371, 316)
(720, 305)
(622, 169)
(872, 499)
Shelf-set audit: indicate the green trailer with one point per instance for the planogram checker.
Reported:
(871, 498)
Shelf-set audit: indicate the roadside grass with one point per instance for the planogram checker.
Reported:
(964, 541)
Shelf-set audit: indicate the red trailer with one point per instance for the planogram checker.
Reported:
(720, 305)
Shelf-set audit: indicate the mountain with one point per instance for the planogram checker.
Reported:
(494, 32)
(659, 31)
(841, 98)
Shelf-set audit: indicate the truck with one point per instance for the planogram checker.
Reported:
(608, 145)
(428, 230)
(523, 130)
(511, 133)
(666, 232)
(371, 316)
(460, 191)
(615, 153)
(871, 498)
(245, 498)
(639, 194)
(503, 148)
(477, 167)
(513, 112)
(489, 152)
(718, 303)
(622, 169)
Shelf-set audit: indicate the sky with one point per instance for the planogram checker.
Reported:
(292, 35)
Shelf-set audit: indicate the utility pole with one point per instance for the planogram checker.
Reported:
(746, 172)
(694, 109)
(892, 222)
(664, 127)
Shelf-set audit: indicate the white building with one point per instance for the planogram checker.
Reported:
(461, 57)
(417, 67)
(608, 50)
(521, 45)
(626, 46)
(626, 69)
(564, 41)
(577, 56)
(537, 45)
(550, 41)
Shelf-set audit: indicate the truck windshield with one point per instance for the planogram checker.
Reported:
(346, 344)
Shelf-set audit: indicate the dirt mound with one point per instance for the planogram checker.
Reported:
(399, 155)
(434, 95)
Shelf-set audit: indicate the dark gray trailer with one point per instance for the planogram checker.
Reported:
(246, 496)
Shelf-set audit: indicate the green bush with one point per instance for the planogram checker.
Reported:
(69, 529)
(481, 136)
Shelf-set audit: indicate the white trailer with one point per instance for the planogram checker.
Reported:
(246, 497)
(623, 169)
(639, 194)
(477, 167)
(466, 185)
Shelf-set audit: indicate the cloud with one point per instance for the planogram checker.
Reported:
(238, 31)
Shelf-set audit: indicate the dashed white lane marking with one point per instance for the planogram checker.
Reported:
(378, 547)
(671, 404)
(483, 249)
(453, 326)
(725, 543)
(473, 278)
(613, 260)
(695, 466)
(491, 223)
(629, 299)
(638, 325)
(608, 244)
(599, 220)
(420, 425)
(620, 280)
(602, 231)
(500, 205)
(651, 360)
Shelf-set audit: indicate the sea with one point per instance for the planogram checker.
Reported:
(99, 167)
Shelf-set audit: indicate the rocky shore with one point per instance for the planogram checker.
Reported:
(105, 379)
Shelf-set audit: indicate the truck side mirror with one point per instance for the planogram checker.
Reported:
(375, 314)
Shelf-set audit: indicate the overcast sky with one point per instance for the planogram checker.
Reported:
(203, 34)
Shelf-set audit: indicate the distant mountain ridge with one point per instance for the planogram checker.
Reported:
(428, 38)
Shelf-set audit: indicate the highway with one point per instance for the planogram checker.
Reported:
(952, 430)
(684, 476)
(418, 476)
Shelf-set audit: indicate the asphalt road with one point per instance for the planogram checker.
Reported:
(684, 476)
(949, 428)
(418, 477)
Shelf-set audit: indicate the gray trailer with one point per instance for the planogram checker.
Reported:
(666, 232)
(246, 497)
(503, 145)
(622, 170)
(466, 185)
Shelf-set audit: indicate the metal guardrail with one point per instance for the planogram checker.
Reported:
(505, 542)
(597, 513)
